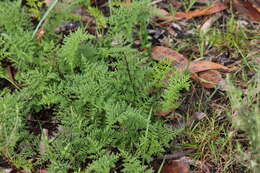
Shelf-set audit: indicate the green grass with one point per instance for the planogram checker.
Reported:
(216, 136)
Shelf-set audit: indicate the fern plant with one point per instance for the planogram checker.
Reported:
(98, 91)
(174, 81)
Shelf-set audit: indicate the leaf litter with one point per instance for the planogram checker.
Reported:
(204, 72)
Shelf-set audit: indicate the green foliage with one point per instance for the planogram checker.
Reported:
(35, 8)
(68, 52)
(178, 82)
(100, 18)
(103, 164)
(124, 18)
(98, 93)
(161, 70)
(246, 118)
(12, 18)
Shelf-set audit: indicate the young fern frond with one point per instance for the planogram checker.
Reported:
(178, 81)
(68, 52)
(124, 18)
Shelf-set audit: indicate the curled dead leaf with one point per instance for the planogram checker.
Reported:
(199, 66)
(249, 8)
(255, 4)
(164, 113)
(40, 33)
(210, 78)
(175, 166)
(42, 171)
(198, 116)
(209, 22)
(178, 60)
(214, 8)
(206, 73)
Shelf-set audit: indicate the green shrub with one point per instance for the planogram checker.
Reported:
(98, 93)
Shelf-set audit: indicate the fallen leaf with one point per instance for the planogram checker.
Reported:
(178, 60)
(9, 170)
(175, 166)
(255, 4)
(205, 73)
(249, 8)
(202, 71)
(42, 171)
(214, 8)
(200, 66)
(42, 146)
(198, 116)
(206, 25)
(9, 73)
(210, 78)
(164, 113)
(39, 33)
(10, 76)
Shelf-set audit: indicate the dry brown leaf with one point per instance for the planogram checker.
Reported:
(39, 34)
(42, 171)
(164, 113)
(202, 71)
(198, 116)
(206, 25)
(214, 8)
(175, 166)
(9, 73)
(200, 66)
(178, 60)
(255, 4)
(195, 116)
(205, 72)
(210, 78)
(251, 9)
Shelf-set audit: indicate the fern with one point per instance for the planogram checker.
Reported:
(100, 18)
(178, 82)
(104, 164)
(35, 8)
(68, 52)
(98, 89)
(123, 19)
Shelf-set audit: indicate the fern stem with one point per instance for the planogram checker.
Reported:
(129, 75)
(44, 17)
(161, 166)
(13, 83)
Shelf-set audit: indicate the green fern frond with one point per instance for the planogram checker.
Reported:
(68, 52)
(179, 80)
